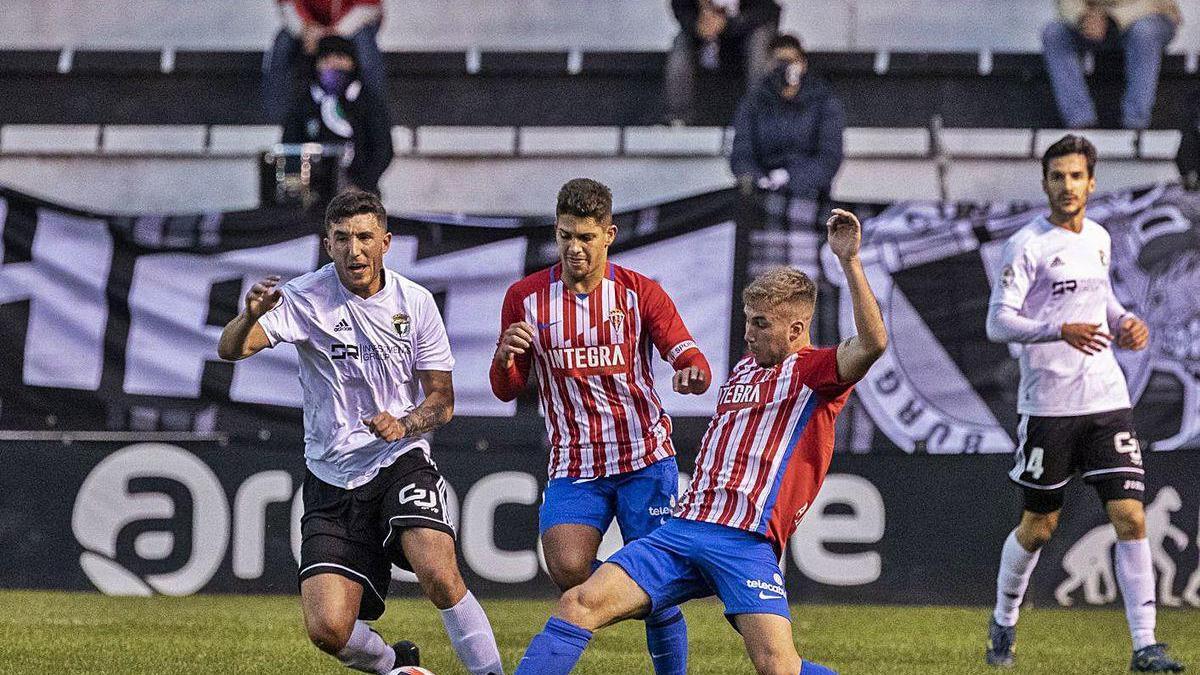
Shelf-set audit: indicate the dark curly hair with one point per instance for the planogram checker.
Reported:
(354, 202)
(585, 198)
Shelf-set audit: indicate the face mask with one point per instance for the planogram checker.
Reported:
(787, 74)
(333, 81)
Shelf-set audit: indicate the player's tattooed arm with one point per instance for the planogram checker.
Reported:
(434, 411)
(438, 406)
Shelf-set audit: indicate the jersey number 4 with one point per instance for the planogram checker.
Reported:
(1033, 464)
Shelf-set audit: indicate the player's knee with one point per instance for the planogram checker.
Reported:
(569, 571)
(443, 585)
(777, 663)
(1129, 524)
(578, 605)
(329, 635)
(1036, 529)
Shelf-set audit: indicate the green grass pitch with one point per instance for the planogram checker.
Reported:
(88, 633)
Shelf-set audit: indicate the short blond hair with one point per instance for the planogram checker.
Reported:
(781, 286)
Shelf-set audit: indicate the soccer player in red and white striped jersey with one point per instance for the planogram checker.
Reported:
(759, 467)
(587, 330)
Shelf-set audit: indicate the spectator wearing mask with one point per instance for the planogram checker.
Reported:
(305, 22)
(713, 34)
(336, 108)
(788, 130)
(1140, 28)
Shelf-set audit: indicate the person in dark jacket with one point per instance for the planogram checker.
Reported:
(714, 34)
(336, 108)
(788, 131)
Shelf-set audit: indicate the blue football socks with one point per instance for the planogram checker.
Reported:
(555, 650)
(666, 638)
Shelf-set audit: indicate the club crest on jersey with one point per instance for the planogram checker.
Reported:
(402, 324)
(589, 360)
(616, 317)
(737, 396)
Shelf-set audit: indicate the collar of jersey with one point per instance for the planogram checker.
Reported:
(382, 294)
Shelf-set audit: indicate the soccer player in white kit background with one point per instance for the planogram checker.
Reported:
(1053, 296)
(370, 342)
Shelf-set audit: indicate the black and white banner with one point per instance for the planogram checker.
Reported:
(175, 519)
(111, 322)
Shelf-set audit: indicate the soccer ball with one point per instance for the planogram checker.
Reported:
(411, 670)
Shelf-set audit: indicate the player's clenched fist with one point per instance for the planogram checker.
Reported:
(514, 341)
(386, 427)
(1133, 334)
(690, 380)
(1086, 337)
(262, 296)
(845, 233)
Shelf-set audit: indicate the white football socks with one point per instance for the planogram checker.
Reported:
(366, 651)
(472, 638)
(1135, 576)
(1016, 565)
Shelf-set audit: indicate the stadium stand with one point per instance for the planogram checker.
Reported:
(112, 91)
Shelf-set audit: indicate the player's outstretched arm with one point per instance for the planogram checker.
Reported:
(856, 354)
(243, 336)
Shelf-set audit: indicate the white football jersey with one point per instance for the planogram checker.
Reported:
(357, 359)
(1053, 276)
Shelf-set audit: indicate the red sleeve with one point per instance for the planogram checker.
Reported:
(818, 369)
(666, 327)
(507, 383)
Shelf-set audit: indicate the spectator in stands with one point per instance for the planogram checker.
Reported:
(335, 107)
(712, 34)
(305, 22)
(1140, 28)
(788, 130)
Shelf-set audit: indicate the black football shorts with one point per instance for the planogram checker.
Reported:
(356, 533)
(1102, 447)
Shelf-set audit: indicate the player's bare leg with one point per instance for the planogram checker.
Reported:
(570, 551)
(768, 639)
(1135, 577)
(330, 603)
(432, 556)
(1017, 559)
(607, 597)
(1035, 529)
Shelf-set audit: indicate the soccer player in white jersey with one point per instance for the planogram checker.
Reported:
(375, 366)
(760, 465)
(1054, 298)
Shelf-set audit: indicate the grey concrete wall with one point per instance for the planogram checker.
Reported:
(534, 24)
(514, 185)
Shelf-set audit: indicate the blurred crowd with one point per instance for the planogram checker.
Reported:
(324, 81)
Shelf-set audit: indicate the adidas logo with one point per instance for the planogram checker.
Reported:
(1057, 262)
(341, 326)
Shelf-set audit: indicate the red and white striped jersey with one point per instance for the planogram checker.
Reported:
(592, 358)
(767, 449)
